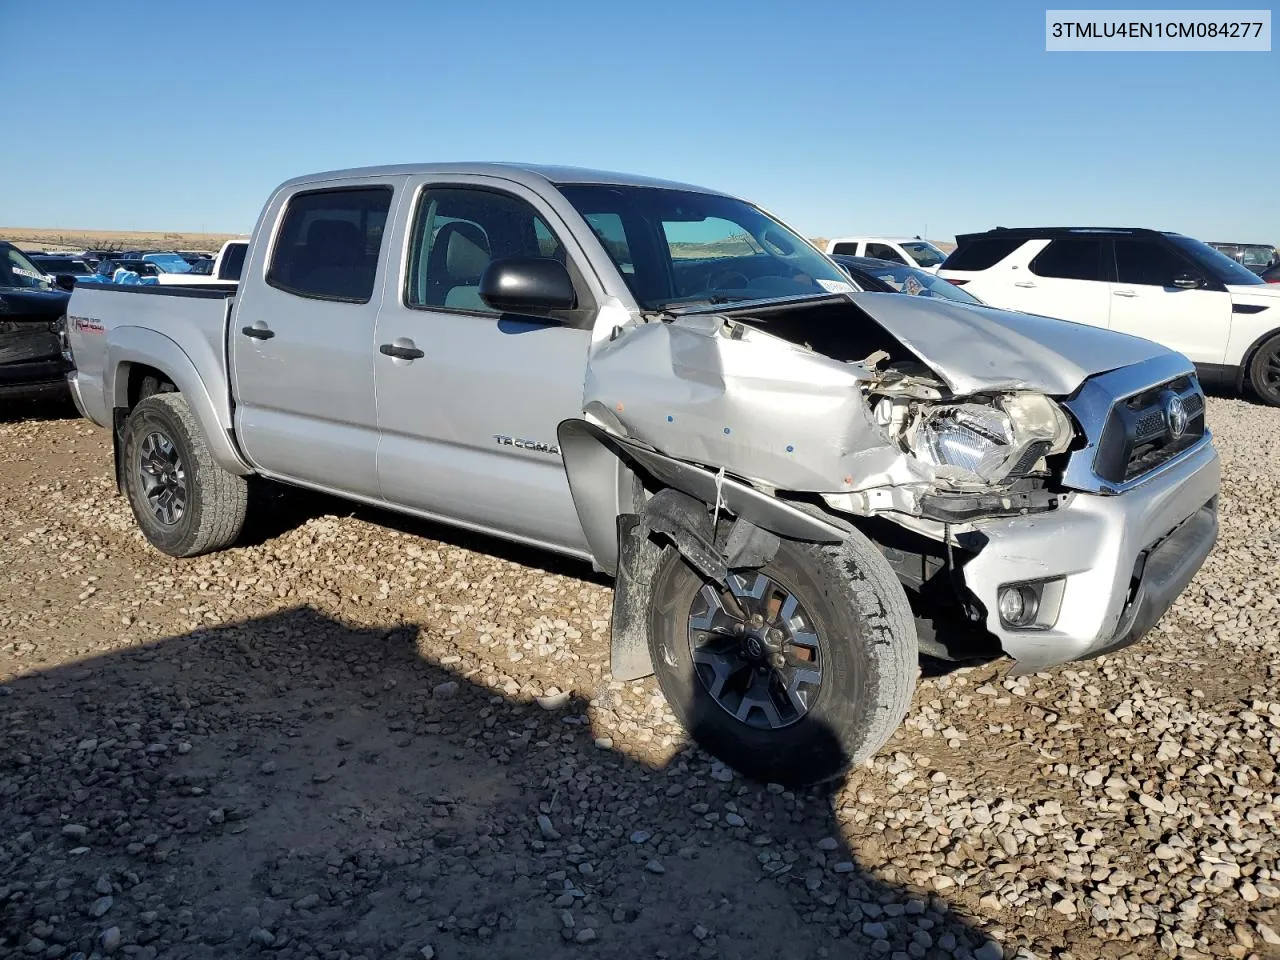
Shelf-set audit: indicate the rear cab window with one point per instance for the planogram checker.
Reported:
(328, 243)
(232, 261)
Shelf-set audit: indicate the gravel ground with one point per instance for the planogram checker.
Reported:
(360, 736)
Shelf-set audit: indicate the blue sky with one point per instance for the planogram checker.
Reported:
(840, 117)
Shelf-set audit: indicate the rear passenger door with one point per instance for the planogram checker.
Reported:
(301, 342)
(468, 415)
(1066, 279)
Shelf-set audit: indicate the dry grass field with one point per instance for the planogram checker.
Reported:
(66, 238)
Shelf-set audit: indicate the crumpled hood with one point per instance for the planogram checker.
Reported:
(977, 349)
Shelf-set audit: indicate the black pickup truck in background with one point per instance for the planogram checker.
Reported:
(32, 312)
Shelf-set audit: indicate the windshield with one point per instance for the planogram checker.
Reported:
(1216, 263)
(678, 247)
(923, 252)
(1257, 255)
(17, 271)
(168, 262)
(917, 283)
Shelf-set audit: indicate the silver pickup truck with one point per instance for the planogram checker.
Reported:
(796, 485)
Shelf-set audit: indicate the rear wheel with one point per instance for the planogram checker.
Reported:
(184, 503)
(1264, 372)
(794, 672)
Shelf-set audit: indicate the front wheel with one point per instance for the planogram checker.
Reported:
(184, 503)
(795, 671)
(1264, 372)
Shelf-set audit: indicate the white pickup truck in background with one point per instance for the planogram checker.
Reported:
(912, 251)
(668, 383)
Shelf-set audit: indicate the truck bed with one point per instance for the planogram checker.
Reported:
(193, 318)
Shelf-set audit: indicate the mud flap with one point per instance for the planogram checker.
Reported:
(638, 558)
(117, 447)
(682, 520)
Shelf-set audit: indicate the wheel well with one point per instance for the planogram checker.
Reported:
(139, 374)
(1246, 361)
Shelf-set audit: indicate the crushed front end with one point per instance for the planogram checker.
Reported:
(1055, 484)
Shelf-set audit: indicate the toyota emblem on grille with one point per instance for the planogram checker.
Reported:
(1175, 415)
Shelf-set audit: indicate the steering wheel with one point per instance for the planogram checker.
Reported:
(719, 281)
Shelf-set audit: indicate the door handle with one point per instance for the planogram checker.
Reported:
(401, 351)
(1124, 293)
(1024, 283)
(258, 331)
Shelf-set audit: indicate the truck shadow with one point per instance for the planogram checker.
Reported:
(275, 509)
(297, 785)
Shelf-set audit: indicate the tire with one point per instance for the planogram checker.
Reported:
(848, 599)
(1264, 372)
(209, 512)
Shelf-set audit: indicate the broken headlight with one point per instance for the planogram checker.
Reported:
(996, 441)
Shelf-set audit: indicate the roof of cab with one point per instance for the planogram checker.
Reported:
(527, 174)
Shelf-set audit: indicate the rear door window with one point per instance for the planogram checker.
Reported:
(1148, 264)
(982, 253)
(328, 244)
(846, 249)
(882, 251)
(1070, 258)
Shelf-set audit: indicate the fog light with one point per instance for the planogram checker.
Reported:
(1019, 605)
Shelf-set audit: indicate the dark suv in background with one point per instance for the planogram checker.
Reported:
(32, 313)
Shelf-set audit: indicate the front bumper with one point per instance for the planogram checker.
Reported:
(1095, 543)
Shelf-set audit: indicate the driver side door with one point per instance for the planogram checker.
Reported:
(468, 398)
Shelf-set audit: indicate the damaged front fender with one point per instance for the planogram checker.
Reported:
(725, 394)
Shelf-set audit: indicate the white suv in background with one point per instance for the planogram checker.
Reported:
(912, 251)
(1161, 286)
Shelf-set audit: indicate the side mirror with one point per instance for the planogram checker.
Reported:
(65, 281)
(530, 285)
(1188, 281)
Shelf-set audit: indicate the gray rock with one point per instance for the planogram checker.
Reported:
(110, 939)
